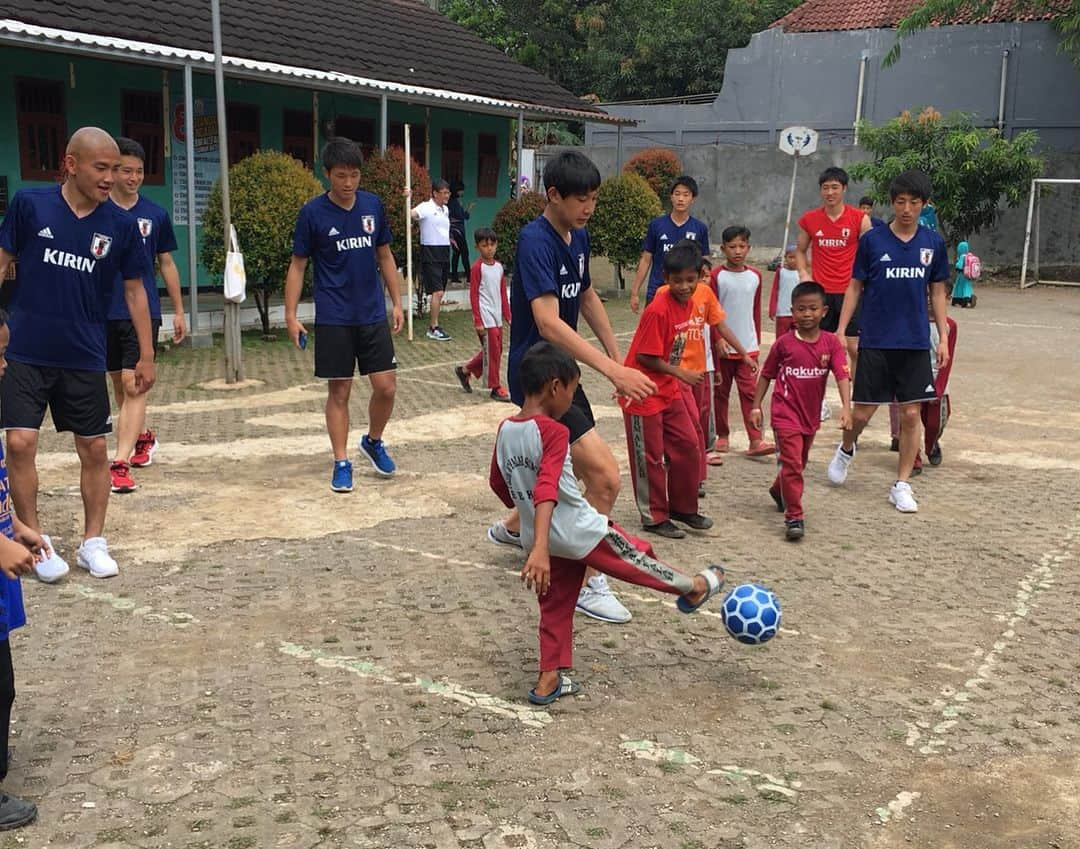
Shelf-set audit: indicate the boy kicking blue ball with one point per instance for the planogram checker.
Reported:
(560, 530)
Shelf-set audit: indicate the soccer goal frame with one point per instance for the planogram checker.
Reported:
(1034, 202)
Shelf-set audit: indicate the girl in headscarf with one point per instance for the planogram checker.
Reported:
(963, 292)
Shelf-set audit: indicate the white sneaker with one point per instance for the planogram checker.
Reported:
(54, 568)
(902, 496)
(838, 465)
(826, 410)
(501, 535)
(94, 558)
(598, 601)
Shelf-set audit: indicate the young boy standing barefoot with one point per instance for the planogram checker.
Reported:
(532, 471)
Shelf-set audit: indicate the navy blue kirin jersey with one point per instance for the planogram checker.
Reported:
(341, 243)
(545, 265)
(156, 232)
(663, 234)
(68, 268)
(896, 277)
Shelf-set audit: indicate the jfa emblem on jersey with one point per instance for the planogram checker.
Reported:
(99, 245)
(581, 265)
(825, 360)
(845, 232)
(926, 255)
(368, 223)
(690, 236)
(145, 227)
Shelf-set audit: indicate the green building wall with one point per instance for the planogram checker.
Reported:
(93, 97)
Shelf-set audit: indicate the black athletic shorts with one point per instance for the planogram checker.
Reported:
(341, 349)
(831, 320)
(579, 418)
(122, 343)
(434, 267)
(77, 399)
(885, 375)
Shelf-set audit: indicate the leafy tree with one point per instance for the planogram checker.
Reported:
(972, 169)
(658, 166)
(515, 214)
(931, 12)
(383, 174)
(624, 208)
(621, 49)
(266, 191)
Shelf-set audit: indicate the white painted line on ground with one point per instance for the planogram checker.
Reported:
(527, 716)
(444, 384)
(175, 618)
(767, 785)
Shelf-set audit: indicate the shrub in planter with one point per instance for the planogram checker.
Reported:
(625, 206)
(266, 191)
(658, 166)
(515, 214)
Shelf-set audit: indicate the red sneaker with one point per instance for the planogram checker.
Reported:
(121, 477)
(145, 447)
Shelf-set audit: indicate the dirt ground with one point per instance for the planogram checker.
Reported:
(281, 666)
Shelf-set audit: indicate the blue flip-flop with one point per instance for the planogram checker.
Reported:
(566, 688)
(714, 582)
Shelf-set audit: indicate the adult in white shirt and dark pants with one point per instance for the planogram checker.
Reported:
(434, 218)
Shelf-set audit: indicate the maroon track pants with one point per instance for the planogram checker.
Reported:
(793, 449)
(730, 371)
(662, 487)
(488, 357)
(620, 555)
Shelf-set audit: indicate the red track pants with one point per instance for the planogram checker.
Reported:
(620, 555)
(488, 357)
(660, 487)
(727, 372)
(794, 450)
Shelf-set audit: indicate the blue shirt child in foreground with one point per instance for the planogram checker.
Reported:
(20, 548)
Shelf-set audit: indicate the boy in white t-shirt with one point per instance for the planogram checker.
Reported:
(738, 288)
(490, 307)
(560, 530)
(434, 218)
(784, 283)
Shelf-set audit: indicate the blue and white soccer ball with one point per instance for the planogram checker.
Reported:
(751, 614)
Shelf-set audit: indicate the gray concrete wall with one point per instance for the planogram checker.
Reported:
(781, 79)
(749, 184)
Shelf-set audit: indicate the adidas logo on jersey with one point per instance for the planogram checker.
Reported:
(45, 233)
(663, 238)
(929, 387)
(819, 234)
(562, 270)
(885, 258)
(334, 232)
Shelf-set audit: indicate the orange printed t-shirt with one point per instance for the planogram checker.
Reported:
(705, 312)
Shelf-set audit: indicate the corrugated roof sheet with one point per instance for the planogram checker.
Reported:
(392, 41)
(833, 15)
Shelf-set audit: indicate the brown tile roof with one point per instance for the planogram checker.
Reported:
(401, 41)
(830, 15)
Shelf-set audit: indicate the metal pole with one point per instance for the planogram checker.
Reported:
(520, 148)
(193, 252)
(234, 366)
(790, 199)
(1038, 205)
(1027, 238)
(382, 124)
(1001, 90)
(618, 149)
(408, 225)
(858, 98)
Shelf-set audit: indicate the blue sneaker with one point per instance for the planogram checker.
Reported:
(375, 451)
(342, 479)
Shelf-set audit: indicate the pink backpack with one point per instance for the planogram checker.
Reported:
(972, 266)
